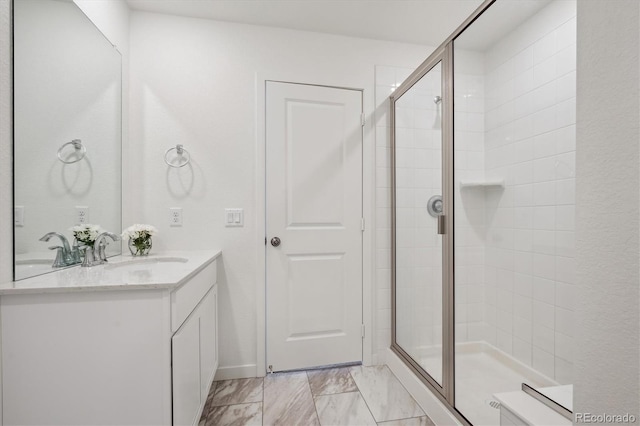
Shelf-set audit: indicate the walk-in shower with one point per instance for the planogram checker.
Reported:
(483, 147)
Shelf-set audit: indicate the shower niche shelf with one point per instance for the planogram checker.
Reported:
(482, 183)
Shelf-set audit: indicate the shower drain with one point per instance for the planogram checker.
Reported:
(494, 404)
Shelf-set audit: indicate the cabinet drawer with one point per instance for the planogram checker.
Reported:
(186, 298)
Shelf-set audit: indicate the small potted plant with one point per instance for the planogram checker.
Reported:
(139, 236)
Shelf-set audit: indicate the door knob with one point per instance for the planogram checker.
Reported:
(275, 241)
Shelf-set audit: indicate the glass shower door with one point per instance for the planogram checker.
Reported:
(418, 206)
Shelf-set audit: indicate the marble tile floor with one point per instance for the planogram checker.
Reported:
(349, 396)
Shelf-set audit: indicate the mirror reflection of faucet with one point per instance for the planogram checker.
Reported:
(65, 256)
(93, 254)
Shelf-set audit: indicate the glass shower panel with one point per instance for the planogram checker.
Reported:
(418, 202)
(514, 150)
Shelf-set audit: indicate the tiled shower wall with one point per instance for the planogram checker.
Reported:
(530, 143)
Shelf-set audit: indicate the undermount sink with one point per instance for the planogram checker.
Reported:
(146, 261)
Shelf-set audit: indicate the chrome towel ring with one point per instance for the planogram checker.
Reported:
(78, 146)
(182, 154)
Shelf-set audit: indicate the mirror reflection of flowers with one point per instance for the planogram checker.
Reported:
(86, 233)
(139, 236)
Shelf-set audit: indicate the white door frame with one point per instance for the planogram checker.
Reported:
(368, 212)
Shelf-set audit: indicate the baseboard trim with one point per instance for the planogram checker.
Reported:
(236, 372)
(429, 403)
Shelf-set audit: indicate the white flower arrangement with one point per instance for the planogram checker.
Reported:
(139, 236)
(86, 233)
(139, 231)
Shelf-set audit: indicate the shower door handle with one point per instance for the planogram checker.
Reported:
(441, 223)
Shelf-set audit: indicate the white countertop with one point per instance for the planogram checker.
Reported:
(169, 270)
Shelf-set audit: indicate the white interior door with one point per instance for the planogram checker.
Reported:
(314, 210)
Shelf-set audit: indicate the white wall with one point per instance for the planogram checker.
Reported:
(607, 203)
(193, 82)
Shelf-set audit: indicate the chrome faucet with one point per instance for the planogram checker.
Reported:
(100, 245)
(65, 256)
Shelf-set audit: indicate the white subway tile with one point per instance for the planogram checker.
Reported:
(544, 72)
(523, 283)
(544, 194)
(544, 169)
(383, 278)
(544, 145)
(565, 191)
(566, 139)
(565, 243)
(566, 86)
(544, 48)
(563, 346)
(504, 341)
(522, 351)
(523, 310)
(565, 218)
(543, 338)
(523, 263)
(545, 120)
(565, 296)
(544, 290)
(566, 34)
(523, 60)
(565, 269)
(544, 266)
(523, 217)
(523, 328)
(523, 195)
(523, 240)
(544, 242)
(544, 96)
(565, 321)
(543, 362)
(566, 60)
(404, 138)
(566, 113)
(544, 218)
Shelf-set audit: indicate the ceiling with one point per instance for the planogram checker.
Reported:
(426, 22)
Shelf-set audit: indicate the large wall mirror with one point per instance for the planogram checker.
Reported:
(67, 131)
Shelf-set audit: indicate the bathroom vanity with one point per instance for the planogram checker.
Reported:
(130, 342)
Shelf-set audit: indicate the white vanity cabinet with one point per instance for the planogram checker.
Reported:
(140, 353)
(194, 352)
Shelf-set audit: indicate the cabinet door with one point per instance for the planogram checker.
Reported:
(208, 339)
(185, 348)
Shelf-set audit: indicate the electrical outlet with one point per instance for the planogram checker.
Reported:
(18, 215)
(82, 215)
(175, 216)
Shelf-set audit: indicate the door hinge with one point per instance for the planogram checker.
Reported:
(363, 119)
(362, 331)
(265, 241)
(362, 223)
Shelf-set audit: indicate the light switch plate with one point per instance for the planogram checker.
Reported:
(233, 217)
